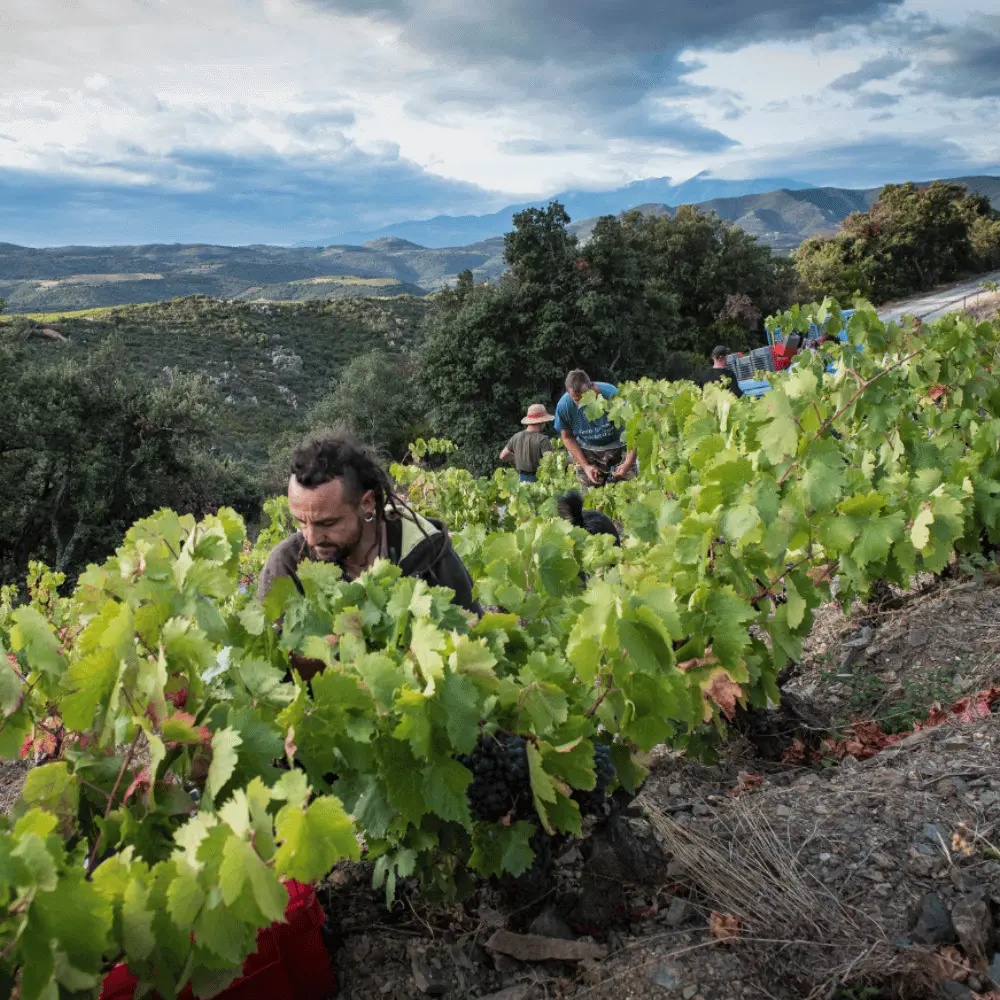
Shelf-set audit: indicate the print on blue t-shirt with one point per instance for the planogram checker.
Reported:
(599, 434)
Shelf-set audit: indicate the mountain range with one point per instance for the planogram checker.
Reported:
(450, 230)
(58, 279)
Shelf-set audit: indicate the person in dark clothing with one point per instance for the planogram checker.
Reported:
(343, 503)
(720, 373)
(570, 507)
(525, 448)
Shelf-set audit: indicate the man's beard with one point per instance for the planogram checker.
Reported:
(337, 553)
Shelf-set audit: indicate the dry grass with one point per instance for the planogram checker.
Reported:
(750, 871)
(986, 307)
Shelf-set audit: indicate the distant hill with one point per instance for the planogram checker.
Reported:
(65, 278)
(449, 230)
(783, 219)
(270, 362)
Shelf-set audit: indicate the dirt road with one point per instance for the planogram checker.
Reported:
(935, 304)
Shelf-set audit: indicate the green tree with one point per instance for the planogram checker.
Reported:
(90, 447)
(636, 300)
(703, 261)
(830, 266)
(492, 350)
(911, 240)
(375, 398)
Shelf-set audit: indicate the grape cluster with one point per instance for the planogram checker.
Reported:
(500, 776)
(592, 802)
(603, 768)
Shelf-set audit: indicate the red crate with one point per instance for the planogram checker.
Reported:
(290, 963)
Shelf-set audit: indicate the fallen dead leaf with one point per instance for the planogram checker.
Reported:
(724, 926)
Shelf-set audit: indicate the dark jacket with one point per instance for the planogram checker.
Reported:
(420, 548)
(717, 375)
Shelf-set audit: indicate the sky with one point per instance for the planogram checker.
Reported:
(271, 121)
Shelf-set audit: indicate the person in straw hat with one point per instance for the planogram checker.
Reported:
(525, 448)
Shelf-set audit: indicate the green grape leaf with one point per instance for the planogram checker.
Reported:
(367, 801)
(545, 706)
(185, 898)
(445, 784)
(920, 534)
(137, 922)
(292, 787)
(313, 841)
(258, 797)
(640, 637)
(628, 772)
(778, 435)
(33, 635)
(876, 537)
(499, 850)
(726, 615)
(252, 619)
(381, 675)
(90, 682)
(11, 686)
(280, 594)
(415, 724)
(241, 867)
(220, 931)
(543, 790)
(796, 603)
(40, 864)
(38, 966)
(426, 643)
(462, 705)
(225, 744)
(51, 787)
(404, 782)
(77, 915)
(573, 763)
(564, 815)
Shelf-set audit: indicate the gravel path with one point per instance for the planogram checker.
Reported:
(936, 304)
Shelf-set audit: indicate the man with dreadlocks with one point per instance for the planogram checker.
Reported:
(343, 504)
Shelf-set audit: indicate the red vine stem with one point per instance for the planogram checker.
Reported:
(111, 801)
(589, 714)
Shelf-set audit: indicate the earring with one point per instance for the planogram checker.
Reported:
(369, 519)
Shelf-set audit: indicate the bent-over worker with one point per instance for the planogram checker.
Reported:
(595, 446)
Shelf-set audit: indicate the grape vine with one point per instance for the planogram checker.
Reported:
(181, 777)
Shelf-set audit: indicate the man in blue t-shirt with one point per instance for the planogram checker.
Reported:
(594, 445)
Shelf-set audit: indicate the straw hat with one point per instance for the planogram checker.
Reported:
(537, 414)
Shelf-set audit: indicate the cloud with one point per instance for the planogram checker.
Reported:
(871, 160)
(883, 68)
(961, 61)
(876, 100)
(231, 199)
(605, 69)
(540, 147)
(565, 30)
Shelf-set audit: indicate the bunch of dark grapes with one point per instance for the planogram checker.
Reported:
(500, 776)
(603, 767)
(592, 802)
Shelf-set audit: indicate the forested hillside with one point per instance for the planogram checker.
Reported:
(267, 362)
